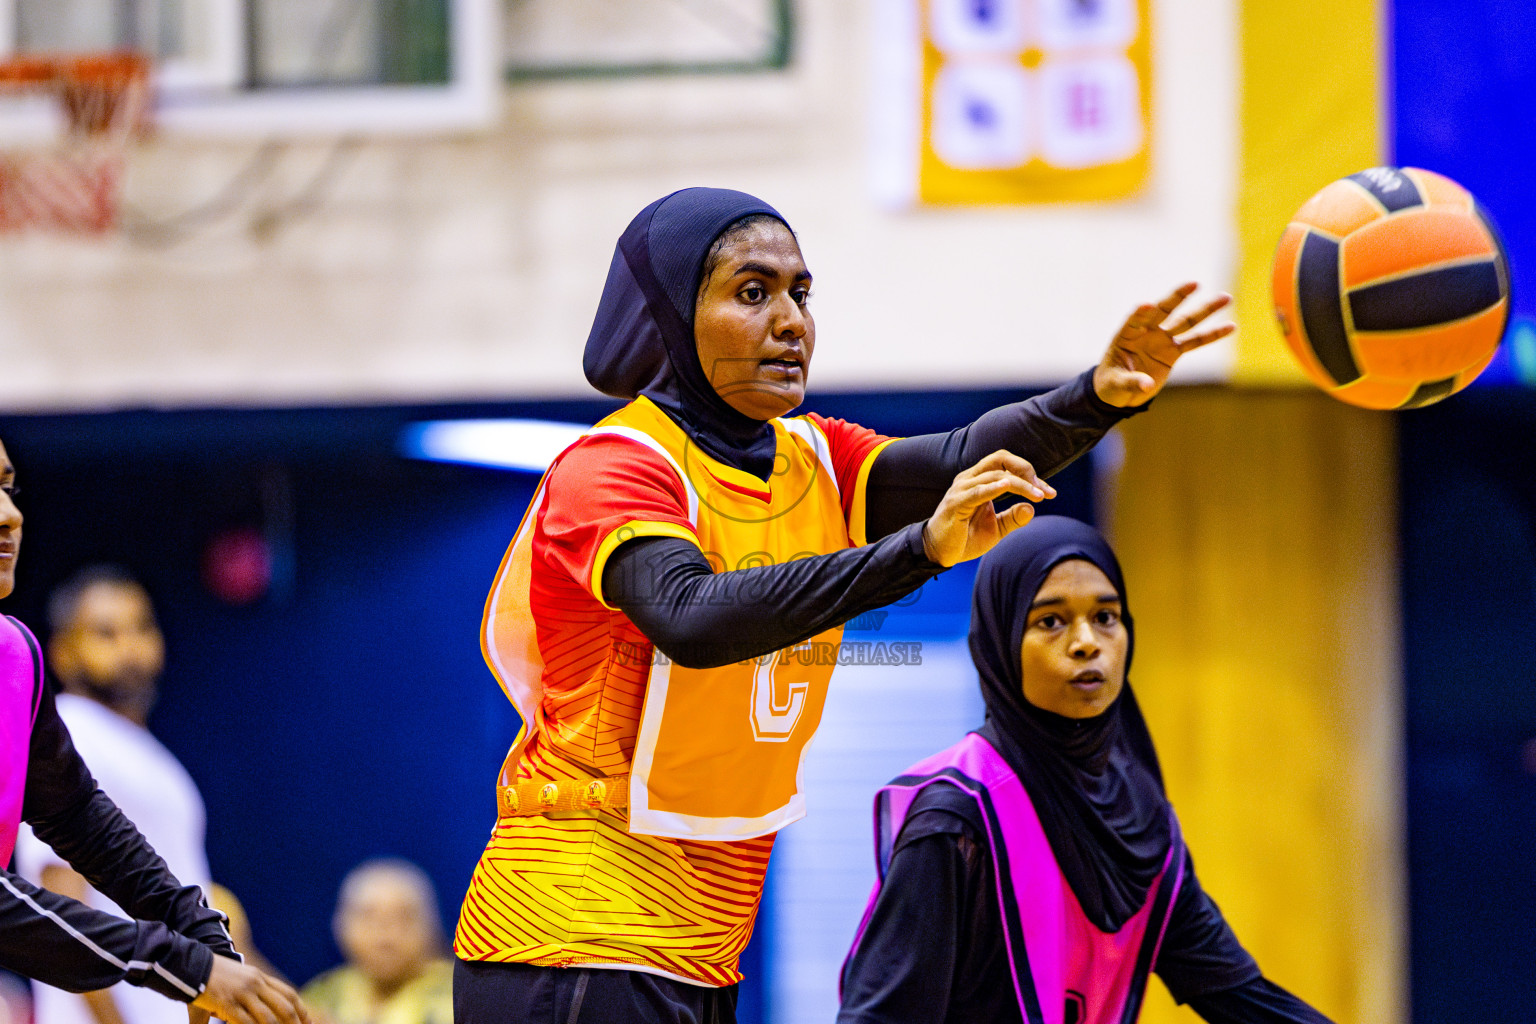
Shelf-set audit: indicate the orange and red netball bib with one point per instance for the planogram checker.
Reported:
(715, 753)
(709, 759)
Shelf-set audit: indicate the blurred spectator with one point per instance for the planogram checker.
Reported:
(107, 652)
(388, 928)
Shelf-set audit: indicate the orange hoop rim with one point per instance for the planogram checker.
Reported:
(40, 70)
(102, 94)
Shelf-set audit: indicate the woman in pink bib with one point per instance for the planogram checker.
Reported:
(1034, 871)
(177, 945)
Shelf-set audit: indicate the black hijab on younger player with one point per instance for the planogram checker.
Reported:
(1094, 782)
(642, 339)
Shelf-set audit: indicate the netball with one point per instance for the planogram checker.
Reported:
(1392, 288)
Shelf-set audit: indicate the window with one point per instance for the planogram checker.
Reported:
(576, 38)
(240, 67)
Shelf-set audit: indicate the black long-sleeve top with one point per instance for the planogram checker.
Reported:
(64, 943)
(933, 950)
(701, 619)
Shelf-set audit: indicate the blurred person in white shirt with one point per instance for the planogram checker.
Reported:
(107, 652)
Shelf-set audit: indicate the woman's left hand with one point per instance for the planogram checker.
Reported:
(1142, 355)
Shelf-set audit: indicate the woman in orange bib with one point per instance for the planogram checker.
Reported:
(669, 613)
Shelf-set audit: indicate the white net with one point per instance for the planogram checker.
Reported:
(73, 183)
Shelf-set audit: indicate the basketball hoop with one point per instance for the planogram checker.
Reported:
(73, 186)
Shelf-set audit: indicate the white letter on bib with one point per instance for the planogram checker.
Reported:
(776, 707)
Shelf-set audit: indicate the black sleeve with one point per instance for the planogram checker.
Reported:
(903, 969)
(69, 812)
(909, 477)
(933, 950)
(1200, 952)
(1259, 1001)
(1203, 964)
(69, 945)
(702, 619)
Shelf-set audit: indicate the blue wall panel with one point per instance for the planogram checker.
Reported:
(1469, 584)
(1465, 105)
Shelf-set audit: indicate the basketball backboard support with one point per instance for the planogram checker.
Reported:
(277, 68)
(602, 38)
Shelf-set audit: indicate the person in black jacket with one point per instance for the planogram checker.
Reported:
(177, 946)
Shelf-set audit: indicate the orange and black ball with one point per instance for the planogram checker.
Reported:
(1392, 288)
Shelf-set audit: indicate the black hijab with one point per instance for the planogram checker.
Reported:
(1095, 782)
(642, 338)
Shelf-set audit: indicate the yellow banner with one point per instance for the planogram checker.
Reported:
(1030, 101)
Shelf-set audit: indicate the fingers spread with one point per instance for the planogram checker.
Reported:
(1144, 319)
(1205, 338)
(1175, 297)
(1199, 316)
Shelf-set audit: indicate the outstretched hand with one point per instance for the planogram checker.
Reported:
(240, 994)
(1142, 355)
(965, 525)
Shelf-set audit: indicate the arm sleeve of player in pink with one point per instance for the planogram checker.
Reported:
(1205, 966)
(69, 945)
(604, 492)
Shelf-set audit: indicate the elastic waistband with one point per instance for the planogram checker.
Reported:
(535, 797)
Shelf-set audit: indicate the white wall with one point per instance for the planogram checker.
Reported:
(470, 267)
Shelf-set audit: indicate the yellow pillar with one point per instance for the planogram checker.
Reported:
(1310, 113)
(1258, 534)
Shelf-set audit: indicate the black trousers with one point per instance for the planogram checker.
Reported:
(487, 993)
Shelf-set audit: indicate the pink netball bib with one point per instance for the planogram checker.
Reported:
(21, 686)
(1065, 971)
